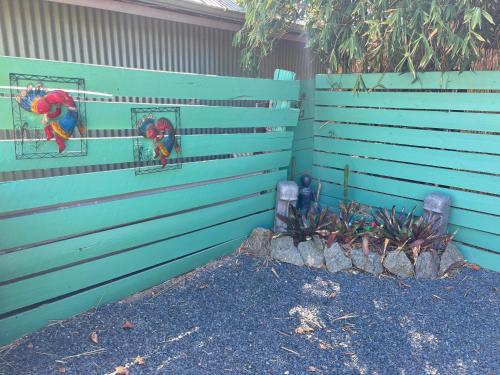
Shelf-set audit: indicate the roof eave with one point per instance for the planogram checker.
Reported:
(179, 11)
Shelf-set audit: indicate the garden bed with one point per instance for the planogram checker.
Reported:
(251, 315)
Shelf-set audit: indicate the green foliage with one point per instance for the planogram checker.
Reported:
(349, 224)
(408, 232)
(300, 231)
(375, 35)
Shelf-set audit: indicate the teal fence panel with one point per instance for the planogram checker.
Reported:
(404, 138)
(75, 239)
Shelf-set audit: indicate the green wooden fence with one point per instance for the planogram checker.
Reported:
(403, 139)
(78, 238)
(73, 241)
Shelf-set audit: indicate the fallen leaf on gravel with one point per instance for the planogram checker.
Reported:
(121, 370)
(203, 286)
(323, 346)
(474, 267)
(303, 329)
(139, 360)
(127, 325)
(93, 337)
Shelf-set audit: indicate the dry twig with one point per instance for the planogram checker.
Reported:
(343, 317)
(290, 351)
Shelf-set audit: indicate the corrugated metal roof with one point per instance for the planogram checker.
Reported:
(223, 4)
(198, 6)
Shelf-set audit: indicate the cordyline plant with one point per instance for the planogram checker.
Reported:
(375, 35)
(409, 233)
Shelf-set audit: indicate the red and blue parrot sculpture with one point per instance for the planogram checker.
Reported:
(163, 135)
(59, 124)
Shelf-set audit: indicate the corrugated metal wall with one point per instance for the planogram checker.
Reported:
(46, 30)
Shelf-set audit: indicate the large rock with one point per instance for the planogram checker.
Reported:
(312, 252)
(259, 242)
(335, 259)
(397, 263)
(427, 265)
(370, 263)
(283, 249)
(451, 258)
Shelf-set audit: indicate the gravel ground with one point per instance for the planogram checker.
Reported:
(237, 316)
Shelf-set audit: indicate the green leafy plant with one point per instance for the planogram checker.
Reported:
(300, 231)
(374, 35)
(349, 225)
(409, 233)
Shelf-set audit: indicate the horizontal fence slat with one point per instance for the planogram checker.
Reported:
(20, 324)
(485, 259)
(47, 286)
(87, 218)
(411, 100)
(65, 189)
(478, 80)
(486, 122)
(485, 143)
(116, 115)
(480, 239)
(426, 156)
(120, 150)
(45, 257)
(391, 189)
(458, 179)
(154, 84)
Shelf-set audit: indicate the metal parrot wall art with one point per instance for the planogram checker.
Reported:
(163, 135)
(60, 114)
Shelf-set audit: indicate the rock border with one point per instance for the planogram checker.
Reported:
(314, 254)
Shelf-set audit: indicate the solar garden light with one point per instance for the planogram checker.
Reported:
(286, 194)
(437, 210)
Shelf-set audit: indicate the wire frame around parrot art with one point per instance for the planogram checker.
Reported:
(49, 116)
(157, 143)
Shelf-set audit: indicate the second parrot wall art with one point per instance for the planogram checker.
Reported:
(157, 144)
